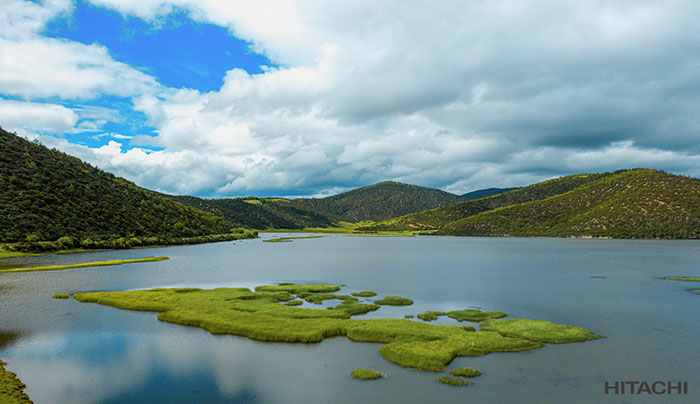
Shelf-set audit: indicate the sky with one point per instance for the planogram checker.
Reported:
(310, 98)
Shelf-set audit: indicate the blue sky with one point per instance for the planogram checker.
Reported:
(310, 98)
(178, 52)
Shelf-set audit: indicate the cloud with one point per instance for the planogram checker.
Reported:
(457, 95)
(19, 115)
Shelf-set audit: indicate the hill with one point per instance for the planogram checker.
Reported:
(484, 192)
(436, 218)
(376, 202)
(371, 203)
(260, 213)
(626, 204)
(50, 200)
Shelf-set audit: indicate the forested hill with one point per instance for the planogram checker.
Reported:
(378, 202)
(47, 195)
(436, 218)
(260, 213)
(626, 204)
(374, 202)
(484, 192)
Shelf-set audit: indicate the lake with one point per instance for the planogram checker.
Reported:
(70, 352)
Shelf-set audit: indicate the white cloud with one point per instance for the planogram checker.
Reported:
(458, 95)
(19, 115)
(33, 66)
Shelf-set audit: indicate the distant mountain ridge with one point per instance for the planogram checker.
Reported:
(48, 196)
(434, 219)
(639, 203)
(380, 201)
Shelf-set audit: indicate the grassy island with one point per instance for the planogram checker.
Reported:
(453, 381)
(366, 374)
(394, 301)
(262, 315)
(11, 388)
(85, 265)
(364, 293)
(61, 296)
(474, 315)
(685, 279)
(466, 372)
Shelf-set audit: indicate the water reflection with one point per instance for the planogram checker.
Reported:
(67, 352)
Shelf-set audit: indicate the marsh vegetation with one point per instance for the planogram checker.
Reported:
(263, 315)
(84, 265)
(366, 374)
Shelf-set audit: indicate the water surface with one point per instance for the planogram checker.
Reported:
(68, 352)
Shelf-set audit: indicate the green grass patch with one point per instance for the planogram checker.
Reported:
(252, 201)
(431, 315)
(288, 239)
(538, 330)
(85, 265)
(294, 303)
(364, 293)
(394, 301)
(474, 315)
(682, 278)
(366, 374)
(11, 388)
(408, 316)
(12, 254)
(453, 381)
(465, 372)
(61, 296)
(258, 315)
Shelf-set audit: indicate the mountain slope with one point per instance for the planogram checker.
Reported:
(480, 193)
(436, 218)
(259, 213)
(46, 194)
(376, 202)
(626, 204)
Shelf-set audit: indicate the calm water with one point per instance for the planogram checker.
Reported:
(68, 352)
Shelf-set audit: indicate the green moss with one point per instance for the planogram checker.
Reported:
(453, 381)
(681, 278)
(85, 265)
(11, 388)
(297, 289)
(294, 303)
(394, 301)
(366, 374)
(258, 315)
(466, 372)
(431, 315)
(288, 239)
(475, 315)
(538, 330)
(366, 293)
(61, 296)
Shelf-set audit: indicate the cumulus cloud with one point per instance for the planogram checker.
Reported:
(19, 115)
(456, 95)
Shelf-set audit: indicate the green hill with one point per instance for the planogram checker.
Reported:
(371, 203)
(436, 218)
(376, 202)
(626, 204)
(50, 200)
(484, 192)
(260, 213)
